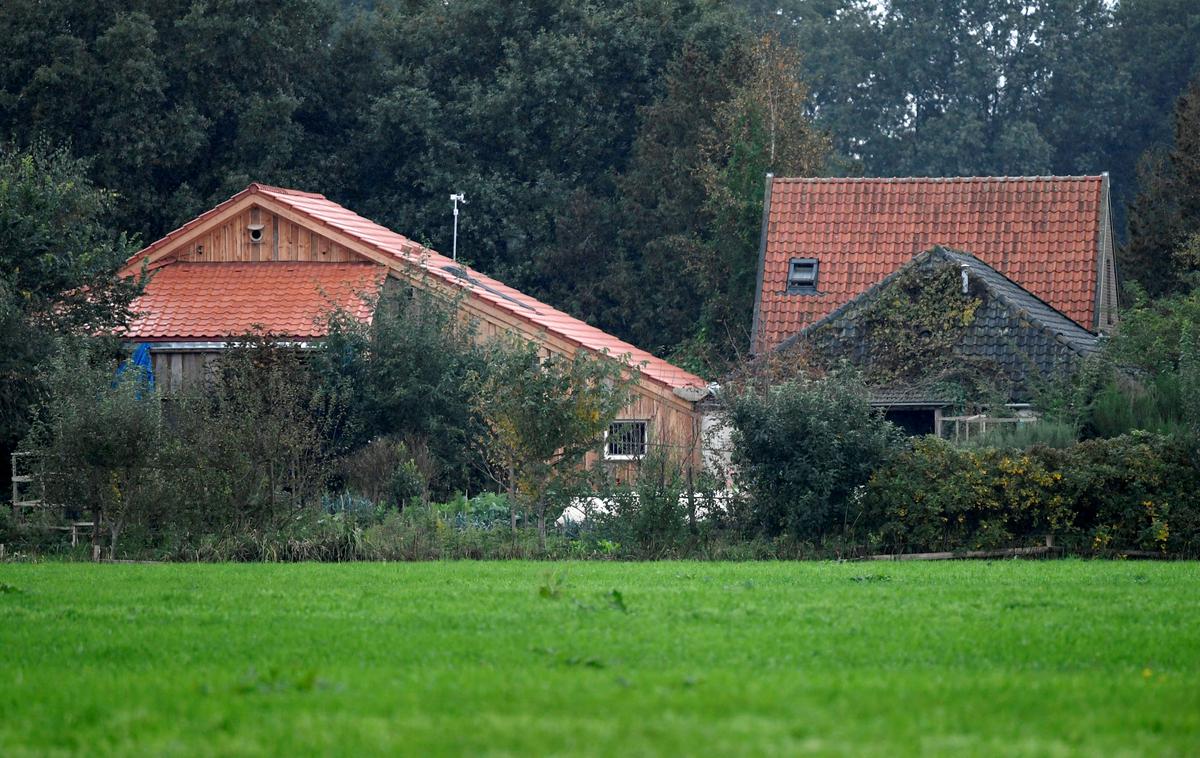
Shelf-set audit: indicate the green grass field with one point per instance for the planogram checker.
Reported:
(1030, 658)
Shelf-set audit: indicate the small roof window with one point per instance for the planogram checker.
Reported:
(802, 276)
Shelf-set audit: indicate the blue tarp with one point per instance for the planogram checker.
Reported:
(140, 360)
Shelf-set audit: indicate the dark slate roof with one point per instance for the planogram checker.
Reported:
(1026, 304)
(1015, 335)
(917, 395)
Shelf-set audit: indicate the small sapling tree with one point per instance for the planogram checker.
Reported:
(99, 438)
(545, 413)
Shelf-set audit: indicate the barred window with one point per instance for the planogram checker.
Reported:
(625, 440)
(802, 275)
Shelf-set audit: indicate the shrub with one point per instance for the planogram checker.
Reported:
(1152, 334)
(934, 496)
(8, 526)
(405, 376)
(651, 515)
(406, 484)
(384, 472)
(801, 450)
(1134, 492)
(1155, 386)
(258, 442)
(1122, 405)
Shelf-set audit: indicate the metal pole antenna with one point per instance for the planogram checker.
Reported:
(456, 199)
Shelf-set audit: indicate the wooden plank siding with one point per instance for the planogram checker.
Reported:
(282, 240)
(176, 371)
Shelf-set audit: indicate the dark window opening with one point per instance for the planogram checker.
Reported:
(625, 441)
(914, 422)
(802, 275)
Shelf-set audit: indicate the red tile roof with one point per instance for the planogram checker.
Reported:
(1041, 232)
(538, 315)
(214, 301)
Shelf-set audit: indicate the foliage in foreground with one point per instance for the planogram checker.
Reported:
(273, 432)
(406, 380)
(259, 468)
(345, 453)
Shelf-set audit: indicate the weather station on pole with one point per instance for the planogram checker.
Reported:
(456, 199)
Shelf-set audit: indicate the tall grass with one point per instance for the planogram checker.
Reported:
(1025, 435)
(1156, 406)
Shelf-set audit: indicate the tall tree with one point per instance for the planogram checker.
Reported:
(661, 201)
(57, 272)
(1153, 49)
(175, 102)
(1166, 213)
(929, 87)
(763, 128)
(691, 203)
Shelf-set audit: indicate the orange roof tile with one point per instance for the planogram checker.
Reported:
(1042, 232)
(216, 301)
(540, 316)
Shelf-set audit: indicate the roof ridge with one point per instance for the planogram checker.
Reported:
(271, 188)
(937, 179)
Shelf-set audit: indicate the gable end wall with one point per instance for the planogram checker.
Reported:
(282, 240)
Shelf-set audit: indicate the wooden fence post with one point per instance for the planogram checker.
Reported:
(96, 534)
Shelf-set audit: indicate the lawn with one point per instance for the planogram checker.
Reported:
(1029, 658)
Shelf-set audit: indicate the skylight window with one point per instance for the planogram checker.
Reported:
(802, 276)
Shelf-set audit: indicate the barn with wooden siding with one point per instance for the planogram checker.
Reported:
(277, 260)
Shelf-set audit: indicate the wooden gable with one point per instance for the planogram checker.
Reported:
(254, 234)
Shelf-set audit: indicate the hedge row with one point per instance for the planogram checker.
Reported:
(1138, 492)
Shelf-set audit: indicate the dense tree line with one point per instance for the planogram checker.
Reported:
(1164, 219)
(948, 87)
(612, 152)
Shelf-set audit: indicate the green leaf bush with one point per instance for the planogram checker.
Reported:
(1130, 493)
(801, 451)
